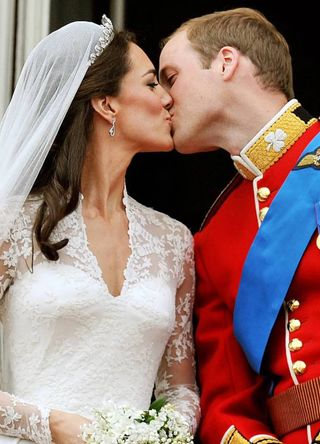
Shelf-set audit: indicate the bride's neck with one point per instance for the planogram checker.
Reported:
(103, 178)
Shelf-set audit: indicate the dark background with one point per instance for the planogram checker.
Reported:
(184, 186)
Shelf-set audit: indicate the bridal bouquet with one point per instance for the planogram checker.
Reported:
(161, 424)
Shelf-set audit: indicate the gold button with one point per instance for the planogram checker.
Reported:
(293, 325)
(263, 212)
(299, 367)
(295, 344)
(293, 304)
(318, 241)
(263, 193)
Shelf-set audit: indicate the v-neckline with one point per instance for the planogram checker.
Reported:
(95, 262)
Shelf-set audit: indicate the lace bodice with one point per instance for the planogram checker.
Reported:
(69, 344)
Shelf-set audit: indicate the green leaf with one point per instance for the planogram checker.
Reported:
(158, 404)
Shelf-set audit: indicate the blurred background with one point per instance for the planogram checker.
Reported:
(181, 186)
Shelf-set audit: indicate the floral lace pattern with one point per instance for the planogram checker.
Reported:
(21, 420)
(71, 345)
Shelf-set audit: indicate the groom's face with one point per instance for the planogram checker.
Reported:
(191, 88)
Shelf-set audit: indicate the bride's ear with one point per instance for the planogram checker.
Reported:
(103, 106)
(229, 61)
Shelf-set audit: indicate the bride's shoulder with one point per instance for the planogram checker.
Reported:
(30, 207)
(25, 215)
(157, 219)
(20, 224)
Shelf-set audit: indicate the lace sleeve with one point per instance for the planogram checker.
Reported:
(7, 266)
(176, 376)
(17, 418)
(16, 244)
(23, 420)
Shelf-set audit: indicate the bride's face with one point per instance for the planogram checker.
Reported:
(143, 118)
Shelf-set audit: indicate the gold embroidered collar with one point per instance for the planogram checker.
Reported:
(273, 140)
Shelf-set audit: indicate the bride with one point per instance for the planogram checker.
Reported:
(96, 289)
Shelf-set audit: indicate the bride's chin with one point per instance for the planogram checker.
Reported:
(169, 146)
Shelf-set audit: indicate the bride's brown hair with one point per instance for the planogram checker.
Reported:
(58, 181)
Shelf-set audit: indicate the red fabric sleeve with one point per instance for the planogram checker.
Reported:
(231, 393)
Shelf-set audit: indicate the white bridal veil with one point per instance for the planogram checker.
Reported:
(47, 85)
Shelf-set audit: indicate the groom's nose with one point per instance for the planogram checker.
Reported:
(166, 99)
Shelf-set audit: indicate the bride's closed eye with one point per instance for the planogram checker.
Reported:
(152, 85)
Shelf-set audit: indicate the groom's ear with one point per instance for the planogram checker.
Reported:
(228, 61)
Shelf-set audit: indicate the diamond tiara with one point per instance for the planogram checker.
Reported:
(104, 40)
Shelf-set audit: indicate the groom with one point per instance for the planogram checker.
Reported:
(257, 255)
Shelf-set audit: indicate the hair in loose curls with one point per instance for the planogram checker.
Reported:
(59, 179)
(252, 34)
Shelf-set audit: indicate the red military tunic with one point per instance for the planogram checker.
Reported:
(231, 393)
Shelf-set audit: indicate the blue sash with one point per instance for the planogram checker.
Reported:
(274, 256)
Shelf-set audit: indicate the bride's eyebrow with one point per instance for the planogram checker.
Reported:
(150, 71)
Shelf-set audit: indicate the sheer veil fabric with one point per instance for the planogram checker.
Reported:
(47, 85)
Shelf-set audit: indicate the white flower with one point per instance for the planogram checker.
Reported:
(124, 425)
(276, 139)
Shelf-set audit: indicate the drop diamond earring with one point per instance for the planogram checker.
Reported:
(112, 130)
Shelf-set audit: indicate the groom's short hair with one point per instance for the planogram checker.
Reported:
(249, 31)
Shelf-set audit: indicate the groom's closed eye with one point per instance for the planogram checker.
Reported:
(171, 79)
(167, 79)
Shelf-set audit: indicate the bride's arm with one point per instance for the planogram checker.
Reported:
(176, 376)
(23, 420)
(38, 424)
(18, 418)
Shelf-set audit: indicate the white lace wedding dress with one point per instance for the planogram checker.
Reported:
(69, 344)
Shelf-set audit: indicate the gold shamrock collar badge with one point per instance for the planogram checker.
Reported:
(273, 141)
